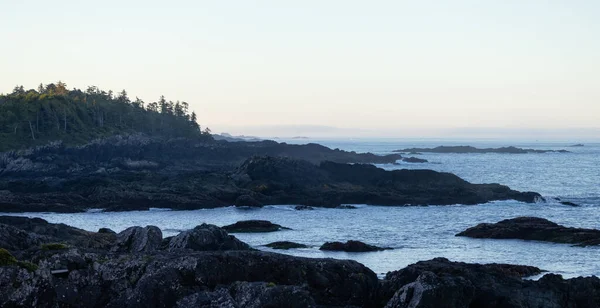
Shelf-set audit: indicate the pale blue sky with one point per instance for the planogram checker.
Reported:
(391, 67)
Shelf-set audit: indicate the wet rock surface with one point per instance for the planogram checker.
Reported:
(536, 229)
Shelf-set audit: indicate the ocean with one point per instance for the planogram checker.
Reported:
(420, 233)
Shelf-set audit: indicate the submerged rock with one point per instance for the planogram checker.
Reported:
(569, 203)
(285, 245)
(303, 208)
(206, 238)
(346, 207)
(350, 246)
(253, 226)
(533, 228)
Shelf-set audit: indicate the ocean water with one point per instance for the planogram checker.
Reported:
(420, 233)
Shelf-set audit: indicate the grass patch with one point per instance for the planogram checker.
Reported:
(28, 266)
(6, 258)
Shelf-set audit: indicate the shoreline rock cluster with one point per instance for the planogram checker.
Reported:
(50, 265)
(534, 229)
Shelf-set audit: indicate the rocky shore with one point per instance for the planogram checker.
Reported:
(136, 173)
(54, 265)
(535, 229)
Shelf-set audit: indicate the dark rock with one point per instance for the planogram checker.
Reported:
(441, 283)
(303, 208)
(346, 207)
(206, 238)
(569, 203)
(536, 229)
(578, 145)
(252, 226)
(414, 160)
(461, 149)
(285, 245)
(350, 246)
(246, 200)
(106, 230)
(138, 239)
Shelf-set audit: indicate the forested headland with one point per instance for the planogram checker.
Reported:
(52, 112)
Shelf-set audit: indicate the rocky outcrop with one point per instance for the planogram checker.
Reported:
(22, 233)
(285, 245)
(462, 149)
(138, 239)
(288, 181)
(184, 182)
(177, 275)
(253, 226)
(350, 246)
(535, 229)
(441, 283)
(206, 238)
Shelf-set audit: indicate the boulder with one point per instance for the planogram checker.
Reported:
(106, 230)
(350, 246)
(536, 229)
(138, 239)
(253, 226)
(206, 238)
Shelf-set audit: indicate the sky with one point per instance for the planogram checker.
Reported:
(373, 68)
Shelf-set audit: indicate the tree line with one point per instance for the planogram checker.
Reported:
(52, 112)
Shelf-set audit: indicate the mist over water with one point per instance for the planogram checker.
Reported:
(421, 233)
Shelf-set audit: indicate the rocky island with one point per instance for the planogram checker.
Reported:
(534, 229)
(54, 265)
(462, 149)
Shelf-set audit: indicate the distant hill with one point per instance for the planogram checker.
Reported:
(51, 112)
